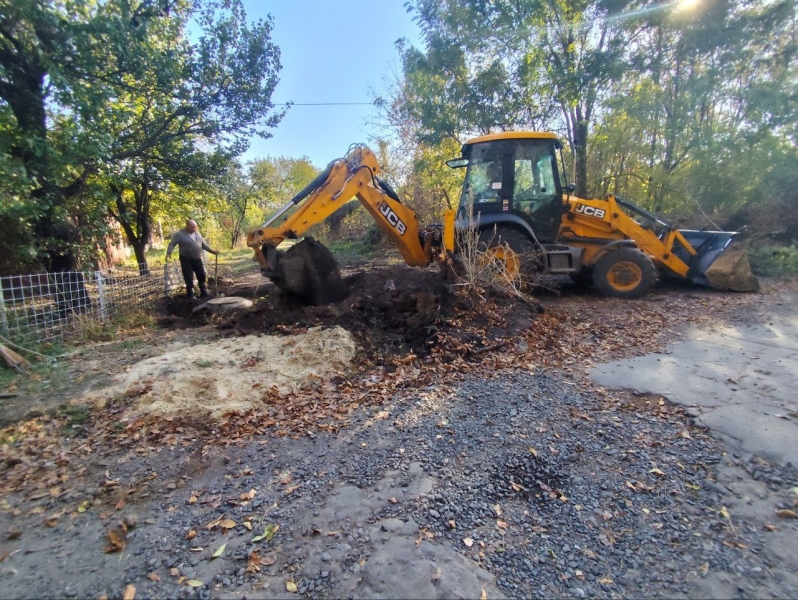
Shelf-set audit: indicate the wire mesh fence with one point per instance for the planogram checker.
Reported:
(44, 307)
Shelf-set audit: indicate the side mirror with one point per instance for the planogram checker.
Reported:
(457, 163)
(570, 188)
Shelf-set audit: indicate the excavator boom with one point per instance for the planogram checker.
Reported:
(310, 271)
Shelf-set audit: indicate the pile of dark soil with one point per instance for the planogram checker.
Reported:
(391, 311)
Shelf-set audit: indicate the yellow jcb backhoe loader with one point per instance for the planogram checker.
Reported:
(515, 199)
(514, 193)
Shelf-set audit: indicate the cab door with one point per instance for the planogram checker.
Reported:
(536, 191)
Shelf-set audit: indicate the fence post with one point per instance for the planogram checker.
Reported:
(3, 317)
(98, 275)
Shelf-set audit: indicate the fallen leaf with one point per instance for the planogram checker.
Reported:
(392, 500)
(120, 505)
(437, 574)
(483, 595)
(174, 572)
(704, 568)
(130, 592)
(253, 562)
(291, 489)
(227, 524)
(502, 524)
(770, 527)
(84, 506)
(290, 586)
(154, 577)
(605, 581)
(533, 452)
(787, 514)
(13, 535)
(498, 510)
(725, 513)
(117, 538)
(468, 542)
(247, 525)
(249, 495)
(656, 471)
(192, 499)
(452, 524)
(191, 535)
(268, 533)
(194, 583)
(219, 551)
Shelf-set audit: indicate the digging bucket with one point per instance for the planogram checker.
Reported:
(721, 262)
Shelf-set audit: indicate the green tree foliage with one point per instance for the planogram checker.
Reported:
(277, 180)
(118, 92)
(515, 63)
(706, 116)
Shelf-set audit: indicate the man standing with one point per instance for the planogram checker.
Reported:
(191, 246)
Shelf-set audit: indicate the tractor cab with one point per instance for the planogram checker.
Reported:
(512, 179)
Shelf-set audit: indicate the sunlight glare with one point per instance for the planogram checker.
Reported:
(686, 5)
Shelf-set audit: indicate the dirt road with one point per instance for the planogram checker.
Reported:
(464, 456)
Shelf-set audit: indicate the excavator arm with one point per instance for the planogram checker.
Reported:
(355, 177)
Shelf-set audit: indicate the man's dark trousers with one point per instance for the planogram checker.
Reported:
(189, 266)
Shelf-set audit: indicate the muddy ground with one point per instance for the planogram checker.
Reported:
(464, 453)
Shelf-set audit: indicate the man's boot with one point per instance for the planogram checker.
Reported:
(203, 291)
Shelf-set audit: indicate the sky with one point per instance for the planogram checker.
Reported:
(330, 52)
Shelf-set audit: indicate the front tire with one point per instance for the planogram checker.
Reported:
(522, 257)
(625, 273)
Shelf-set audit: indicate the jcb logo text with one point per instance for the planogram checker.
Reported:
(590, 211)
(391, 217)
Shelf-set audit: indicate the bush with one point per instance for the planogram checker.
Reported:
(774, 261)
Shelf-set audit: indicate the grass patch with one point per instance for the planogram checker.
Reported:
(774, 261)
(204, 364)
(122, 324)
(77, 417)
(344, 250)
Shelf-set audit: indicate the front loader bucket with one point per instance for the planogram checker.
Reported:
(720, 264)
(732, 271)
(307, 271)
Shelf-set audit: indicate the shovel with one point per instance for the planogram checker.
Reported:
(216, 276)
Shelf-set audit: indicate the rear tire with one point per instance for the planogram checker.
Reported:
(625, 273)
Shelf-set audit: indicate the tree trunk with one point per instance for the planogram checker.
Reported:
(580, 149)
(140, 249)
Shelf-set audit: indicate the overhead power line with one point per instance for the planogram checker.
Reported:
(324, 104)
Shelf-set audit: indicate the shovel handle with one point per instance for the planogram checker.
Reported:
(216, 275)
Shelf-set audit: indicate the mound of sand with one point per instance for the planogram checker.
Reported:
(233, 374)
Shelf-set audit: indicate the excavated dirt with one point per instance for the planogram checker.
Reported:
(390, 311)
